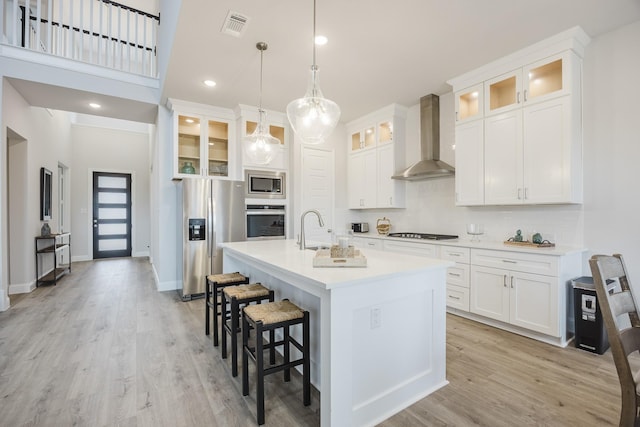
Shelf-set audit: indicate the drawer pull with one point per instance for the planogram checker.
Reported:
(509, 261)
(454, 297)
(455, 254)
(455, 274)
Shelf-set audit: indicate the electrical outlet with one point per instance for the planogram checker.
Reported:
(376, 317)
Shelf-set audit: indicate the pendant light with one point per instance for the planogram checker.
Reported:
(313, 117)
(260, 147)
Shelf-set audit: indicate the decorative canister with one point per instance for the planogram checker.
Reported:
(383, 225)
(187, 167)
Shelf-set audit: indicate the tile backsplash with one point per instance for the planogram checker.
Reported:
(431, 208)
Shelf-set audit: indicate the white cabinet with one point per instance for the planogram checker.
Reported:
(367, 243)
(247, 121)
(469, 180)
(524, 290)
(532, 141)
(203, 140)
(362, 175)
(457, 276)
(411, 248)
(375, 154)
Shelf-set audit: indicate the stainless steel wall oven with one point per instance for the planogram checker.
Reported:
(265, 222)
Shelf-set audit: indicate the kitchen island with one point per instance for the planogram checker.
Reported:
(377, 333)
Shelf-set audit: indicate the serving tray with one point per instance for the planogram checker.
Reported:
(323, 259)
(531, 244)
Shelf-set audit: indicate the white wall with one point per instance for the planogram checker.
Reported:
(107, 145)
(47, 144)
(605, 223)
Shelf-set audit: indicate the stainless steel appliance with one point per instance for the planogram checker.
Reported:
(265, 184)
(211, 214)
(265, 222)
(360, 227)
(423, 236)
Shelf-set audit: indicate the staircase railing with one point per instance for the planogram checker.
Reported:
(100, 32)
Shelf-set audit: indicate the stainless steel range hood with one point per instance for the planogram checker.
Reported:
(430, 165)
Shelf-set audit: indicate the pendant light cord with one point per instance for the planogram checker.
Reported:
(314, 34)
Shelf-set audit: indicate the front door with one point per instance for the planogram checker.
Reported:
(111, 215)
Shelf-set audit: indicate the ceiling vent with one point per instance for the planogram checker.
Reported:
(234, 24)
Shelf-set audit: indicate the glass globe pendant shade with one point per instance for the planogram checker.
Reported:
(260, 147)
(313, 117)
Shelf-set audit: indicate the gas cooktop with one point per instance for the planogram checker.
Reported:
(423, 236)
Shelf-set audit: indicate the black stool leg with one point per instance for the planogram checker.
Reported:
(245, 355)
(223, 319)
(286, 353)
(235, 309)
(207, 316)
(306, 364)
(215, 314)
(260, 373)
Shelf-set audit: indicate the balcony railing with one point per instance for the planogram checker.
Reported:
(100, 32)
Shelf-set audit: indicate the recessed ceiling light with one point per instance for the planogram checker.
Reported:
(94, 105)
(321, 40)
(209, 83)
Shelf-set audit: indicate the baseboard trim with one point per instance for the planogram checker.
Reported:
(170, 285)
(22, 288)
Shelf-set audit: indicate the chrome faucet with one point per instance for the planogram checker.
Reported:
(303, 245)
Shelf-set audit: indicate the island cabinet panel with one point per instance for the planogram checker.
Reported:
(378, 334)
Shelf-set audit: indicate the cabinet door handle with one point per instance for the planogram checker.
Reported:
(519, 193)
(525, 95)
(511, 282)
(518, 98)
(509, 261)
(526, 193)
(457, 117)
(504, 280)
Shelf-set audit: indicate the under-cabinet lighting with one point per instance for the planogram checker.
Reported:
(94, 105)
(209, 83)
(188, 120)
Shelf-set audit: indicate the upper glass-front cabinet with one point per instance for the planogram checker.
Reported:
(548, 78)
(202, 146)
(469, 105)
(385, 132)
(362, 139)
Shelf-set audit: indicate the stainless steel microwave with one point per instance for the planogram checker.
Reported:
(265, 184)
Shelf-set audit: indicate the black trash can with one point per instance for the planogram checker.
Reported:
(591, 334)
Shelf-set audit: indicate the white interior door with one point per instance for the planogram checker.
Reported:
(317, 192)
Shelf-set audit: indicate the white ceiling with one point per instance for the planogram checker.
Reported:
(378, 52)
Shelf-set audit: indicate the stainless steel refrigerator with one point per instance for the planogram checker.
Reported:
(212, 212)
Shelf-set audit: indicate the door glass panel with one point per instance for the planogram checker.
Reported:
(369, 137)
(468, 105)
(218, 148)
(188, 144)
(385, 132)
(109, 229)
(355, 142)
(545, 79)
(105, 197)
(111, 182)
(277, 132)
(502, 93)
(112, 244)
(112, 213)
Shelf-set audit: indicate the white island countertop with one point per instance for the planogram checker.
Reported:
(378, 333)
(286, 255)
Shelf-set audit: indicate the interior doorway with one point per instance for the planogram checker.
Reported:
(111, 215)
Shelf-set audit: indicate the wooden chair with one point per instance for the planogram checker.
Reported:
(624, 336)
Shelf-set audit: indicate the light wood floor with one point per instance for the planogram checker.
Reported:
(104, 348)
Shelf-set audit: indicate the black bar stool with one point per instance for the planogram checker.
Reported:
(214, 283)
(269, 317)
(238, 296)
